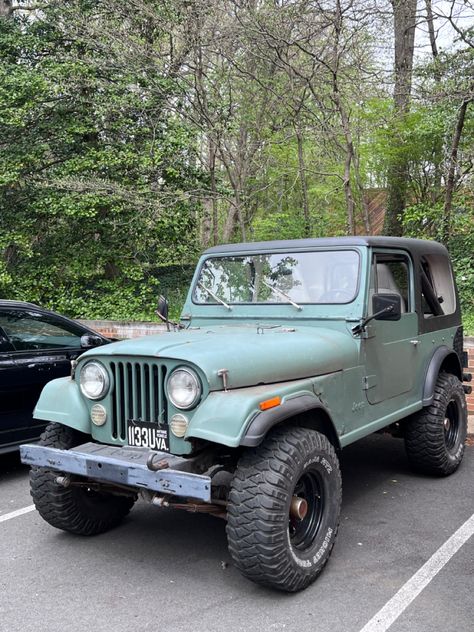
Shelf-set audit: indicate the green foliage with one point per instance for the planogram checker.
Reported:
(108, 111)
(96, 189)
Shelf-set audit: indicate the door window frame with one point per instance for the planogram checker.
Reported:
(396, 254)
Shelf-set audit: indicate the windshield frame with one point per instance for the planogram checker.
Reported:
(235, 255)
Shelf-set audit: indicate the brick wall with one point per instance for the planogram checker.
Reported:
(124, 329)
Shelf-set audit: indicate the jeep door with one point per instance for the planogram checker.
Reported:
(390, 351)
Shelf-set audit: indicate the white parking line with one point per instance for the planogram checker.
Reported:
(413, 587)
(18, 512)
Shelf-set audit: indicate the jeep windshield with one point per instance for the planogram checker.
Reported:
(320, 277)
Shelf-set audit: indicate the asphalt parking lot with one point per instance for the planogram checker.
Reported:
(168, 570)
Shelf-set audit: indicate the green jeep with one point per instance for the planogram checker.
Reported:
(286, 352)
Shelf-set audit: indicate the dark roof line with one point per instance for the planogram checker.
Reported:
(9, 303)
(421, 246)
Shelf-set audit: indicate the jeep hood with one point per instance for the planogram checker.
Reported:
(252, 356)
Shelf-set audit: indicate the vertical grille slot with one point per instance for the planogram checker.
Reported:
(115, 419)
(138, 394)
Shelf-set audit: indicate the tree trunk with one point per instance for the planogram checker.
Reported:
(404, 22)
(212, 171)
(230, 222)
(209, 226)
(304, 186)
(450, 182)
(6, 8)
(350, 204)
(438, 149)
(431, 30)
(336, 98)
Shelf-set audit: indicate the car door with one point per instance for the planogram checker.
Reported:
(10, 423)
(43, 346)
(390, 349)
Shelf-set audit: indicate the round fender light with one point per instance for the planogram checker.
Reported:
(98, 415)
(179, 425)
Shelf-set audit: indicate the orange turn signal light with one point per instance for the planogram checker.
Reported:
(270, 403)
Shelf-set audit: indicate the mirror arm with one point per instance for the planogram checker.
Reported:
(358, 329)
(168, 321)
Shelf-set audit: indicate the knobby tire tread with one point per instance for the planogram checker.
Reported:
(424, 436)
(67, 508)
(257, 508)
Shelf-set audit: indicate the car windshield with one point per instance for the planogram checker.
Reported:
(319, 277)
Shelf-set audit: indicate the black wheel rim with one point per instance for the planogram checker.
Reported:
(451, 426)
(311, 489)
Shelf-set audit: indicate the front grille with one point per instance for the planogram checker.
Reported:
(138, 393)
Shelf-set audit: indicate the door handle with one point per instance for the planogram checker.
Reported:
(39, 367)
(415, 342)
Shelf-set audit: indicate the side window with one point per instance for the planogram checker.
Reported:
(438, 297)
(391, 275)
(29, 331)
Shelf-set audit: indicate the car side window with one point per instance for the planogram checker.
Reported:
(438, 297)
(30, 331)
(391, 275)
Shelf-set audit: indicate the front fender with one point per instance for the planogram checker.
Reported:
(224, 416)
(61, 401)
(437, 359)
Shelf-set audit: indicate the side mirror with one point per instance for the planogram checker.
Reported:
(89, 340)
(162, 311)
(387, 306)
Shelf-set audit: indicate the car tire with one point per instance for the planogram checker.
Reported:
(268, 543)
(435, 437)
(74, 509)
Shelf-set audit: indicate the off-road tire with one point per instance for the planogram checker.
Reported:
(259, 526)
(435, 437)
(73, 509)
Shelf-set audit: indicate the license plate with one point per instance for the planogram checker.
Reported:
(143, 434)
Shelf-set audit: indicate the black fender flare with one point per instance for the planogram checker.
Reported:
(262, 422)
(432, 371)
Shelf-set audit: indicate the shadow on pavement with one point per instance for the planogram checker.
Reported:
(11, 467)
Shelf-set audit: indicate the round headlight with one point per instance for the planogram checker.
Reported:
(94, 380)
(184, 388)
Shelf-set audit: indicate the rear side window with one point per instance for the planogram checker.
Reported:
(438, 296)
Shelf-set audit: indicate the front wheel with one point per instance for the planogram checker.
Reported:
(435, 437)
(75, 509)
(284, 507)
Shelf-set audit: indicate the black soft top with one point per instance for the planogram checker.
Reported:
(419, 247)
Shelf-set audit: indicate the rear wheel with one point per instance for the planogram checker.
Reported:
(76, 509)
(435, 437)
(284, 507)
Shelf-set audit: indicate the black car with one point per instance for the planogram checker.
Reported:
(36, 346)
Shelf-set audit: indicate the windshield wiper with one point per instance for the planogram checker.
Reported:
(275, 289)
(211, 293)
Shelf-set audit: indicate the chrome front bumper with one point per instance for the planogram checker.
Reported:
(124, 466)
